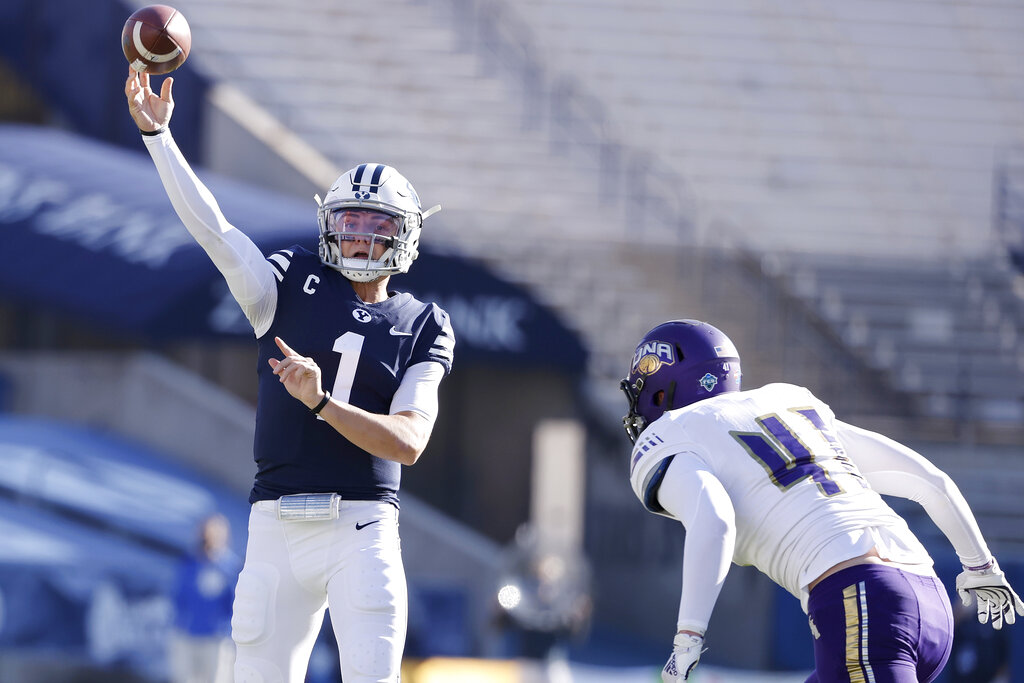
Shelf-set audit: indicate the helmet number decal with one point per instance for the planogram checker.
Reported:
(786, 458)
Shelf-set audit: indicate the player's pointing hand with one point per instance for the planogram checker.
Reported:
(299, 374)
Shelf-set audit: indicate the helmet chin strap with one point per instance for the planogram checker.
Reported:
(670, 396)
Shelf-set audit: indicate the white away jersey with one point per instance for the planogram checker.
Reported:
(801, 504)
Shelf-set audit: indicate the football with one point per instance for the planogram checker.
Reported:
(156, 39)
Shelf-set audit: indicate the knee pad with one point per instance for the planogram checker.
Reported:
(373, 656)
(378, 589)
(371, 623)
(253, 612)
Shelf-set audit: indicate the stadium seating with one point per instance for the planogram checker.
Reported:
(865, 128)
(947, 335)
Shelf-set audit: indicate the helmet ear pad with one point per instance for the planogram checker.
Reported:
(662, 398)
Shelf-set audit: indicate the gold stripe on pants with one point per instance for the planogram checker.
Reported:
(855, 609)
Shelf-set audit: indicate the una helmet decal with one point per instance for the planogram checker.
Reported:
(651, 356)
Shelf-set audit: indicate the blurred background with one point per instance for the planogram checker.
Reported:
(837, 185)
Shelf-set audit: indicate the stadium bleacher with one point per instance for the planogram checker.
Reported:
(946, 335)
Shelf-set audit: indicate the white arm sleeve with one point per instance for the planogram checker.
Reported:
(695, 496)
(897, 470)
(418, 391)
(249, 276)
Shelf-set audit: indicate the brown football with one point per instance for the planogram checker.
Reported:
(156, 39)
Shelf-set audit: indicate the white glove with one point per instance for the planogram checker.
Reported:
(996, 600)
(686, 650)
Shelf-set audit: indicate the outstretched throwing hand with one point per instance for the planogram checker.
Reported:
(149, 110)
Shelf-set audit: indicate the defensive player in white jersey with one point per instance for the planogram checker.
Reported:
(770, 478)
(336, 418)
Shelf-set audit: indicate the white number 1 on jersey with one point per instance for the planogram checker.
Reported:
(349, 345)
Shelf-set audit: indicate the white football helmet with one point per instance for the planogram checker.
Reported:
(374, 187)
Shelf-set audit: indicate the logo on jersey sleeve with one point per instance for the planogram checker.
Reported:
(651, 356)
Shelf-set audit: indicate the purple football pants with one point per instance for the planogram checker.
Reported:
(877, 624)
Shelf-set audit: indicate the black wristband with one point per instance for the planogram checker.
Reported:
(320, 406)
(161, 129)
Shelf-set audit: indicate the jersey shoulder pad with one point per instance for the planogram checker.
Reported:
(652, 453)
(800, 396)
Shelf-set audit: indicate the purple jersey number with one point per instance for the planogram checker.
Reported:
(784, 456)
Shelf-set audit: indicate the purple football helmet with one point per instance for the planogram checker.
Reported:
(677, 363)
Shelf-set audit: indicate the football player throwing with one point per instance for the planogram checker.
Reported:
(348, 377)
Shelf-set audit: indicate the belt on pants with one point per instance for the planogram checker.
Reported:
(302, 507)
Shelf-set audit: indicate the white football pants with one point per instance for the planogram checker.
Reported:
(294, 570)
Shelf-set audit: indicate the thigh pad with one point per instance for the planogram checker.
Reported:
(253, 612)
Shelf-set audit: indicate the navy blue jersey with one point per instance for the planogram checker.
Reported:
(363, 351)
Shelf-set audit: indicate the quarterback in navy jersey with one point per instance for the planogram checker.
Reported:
(348, 376)
(379, 342)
